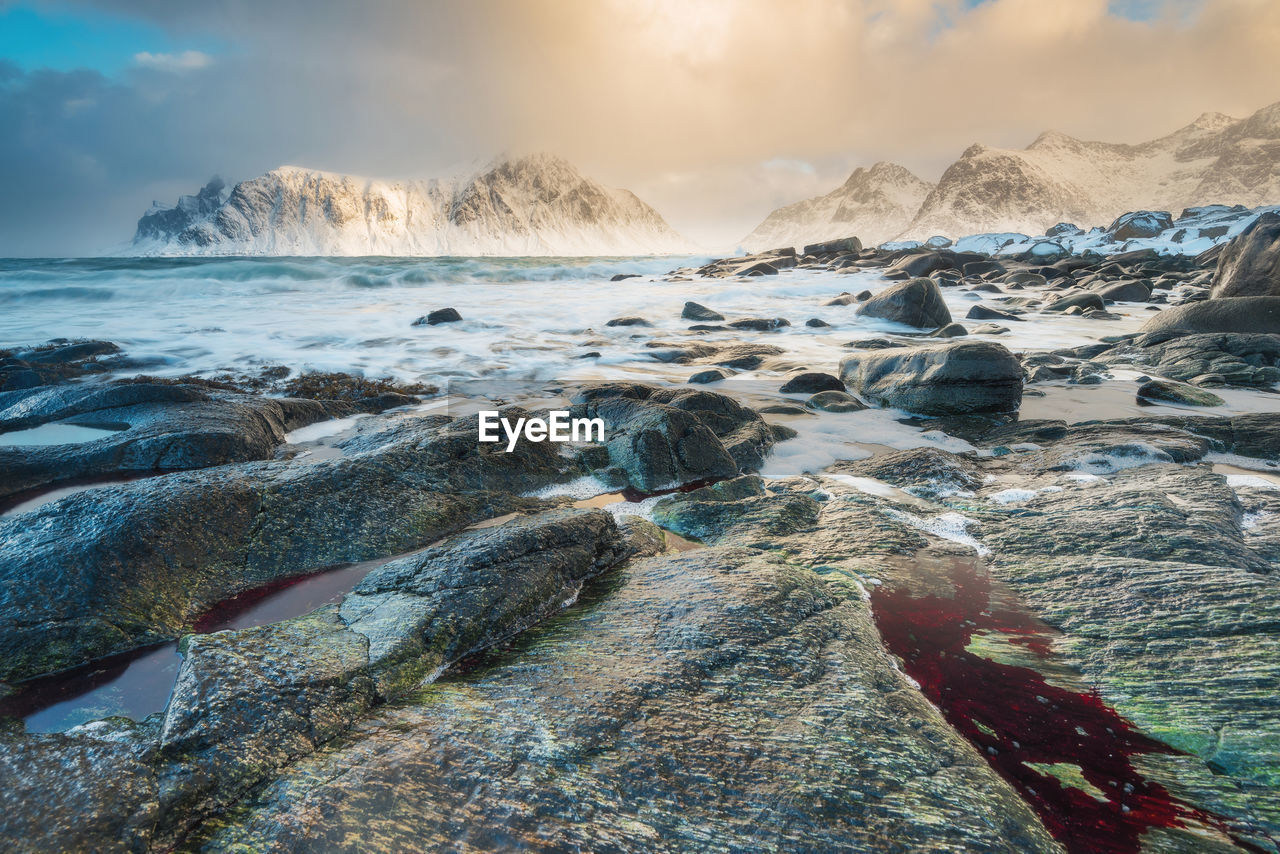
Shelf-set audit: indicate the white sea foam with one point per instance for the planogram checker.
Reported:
(322, 429)
(869, 485)
(946, 526)
(523, 318)
(1235, 481)
(1117, 458)
(829, 436)
(1012, 496)
(583, 487)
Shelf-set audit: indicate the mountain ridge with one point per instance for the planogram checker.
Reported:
(1215, 159)
(535, 204)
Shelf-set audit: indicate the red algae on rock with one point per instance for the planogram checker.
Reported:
(1027, 727)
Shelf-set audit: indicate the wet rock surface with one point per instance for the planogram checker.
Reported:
(917, 302)
(1250, 263)
(978, 629)
(943, 379)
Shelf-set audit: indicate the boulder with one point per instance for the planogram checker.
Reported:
(816, 323)
(440, 315)
(1132, 291)
(756, 268)
(657, 438)
(918, 264)
(1237, 314)
(1249, 265)
(986, 312)
(951, 330)
(1165, 391)
(1083, 300)
(628, 321)
(917, 302)
(695, 311)
(706, 377)
(983, 268)
(943, 379)
(835, 401)
(1213, 358)
(760, 324)
(811, 383)
(1140, 224)
(844, 244)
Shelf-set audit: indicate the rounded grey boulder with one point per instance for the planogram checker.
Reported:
(915, 302)
(943, 379)
(1249, 266)
(1237, 314)
(811, 382)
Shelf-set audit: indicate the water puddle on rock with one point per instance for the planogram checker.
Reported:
(32, 499)
(138, 683)
(55, 434)
(987, 664)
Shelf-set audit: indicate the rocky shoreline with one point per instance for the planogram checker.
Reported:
(1017, 633)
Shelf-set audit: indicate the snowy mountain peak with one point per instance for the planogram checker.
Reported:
(536, 204)
(1212, 121)
(1216, 159)
(874, 204)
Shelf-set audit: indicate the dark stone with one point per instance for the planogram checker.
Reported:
(159, 427)
(1249, 265)
(1084, 301)
(942, 379)
(440, 315)
(618, 277)
(706, 377)
(917, 303)
(628, 321)
(834, 401)
(1171, 392)
(1235, 314)
(193, 539)
(1131, 291)
(1223, 358)
(951, 330)
(810, 383)
(760, 324)
(923, 263)
(987, 267)
(1140, 224)
(985, 312)
(694, 311)
(844, 244)
(875, 344)
(816, 323)
(664, 437)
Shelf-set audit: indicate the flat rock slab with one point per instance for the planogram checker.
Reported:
(716, 700)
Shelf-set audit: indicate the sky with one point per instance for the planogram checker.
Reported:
(713, 111)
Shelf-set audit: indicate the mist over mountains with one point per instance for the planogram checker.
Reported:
(532, 205)
(1214, 160)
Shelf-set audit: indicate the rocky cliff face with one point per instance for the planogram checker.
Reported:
(876, 204)
(1214, 160)
(537, 205)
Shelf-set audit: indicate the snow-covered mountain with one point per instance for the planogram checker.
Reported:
(875, 204)
(1214, 160)
(535, 205)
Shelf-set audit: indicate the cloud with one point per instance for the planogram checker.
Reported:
(188, 60)
(691, 105)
